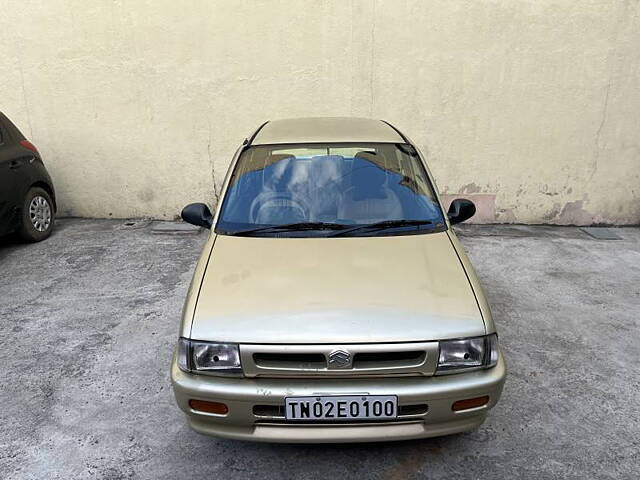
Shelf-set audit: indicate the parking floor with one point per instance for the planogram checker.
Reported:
(90, 318)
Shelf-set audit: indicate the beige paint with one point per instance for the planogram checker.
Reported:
(352, 296)
(532, 107)
(241, 394)
(339, 290)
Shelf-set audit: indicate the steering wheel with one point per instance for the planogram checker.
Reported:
(275, 200)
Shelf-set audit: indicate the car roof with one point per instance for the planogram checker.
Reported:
(326, 130)
(15, 134)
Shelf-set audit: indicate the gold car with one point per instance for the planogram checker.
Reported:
(333, 301)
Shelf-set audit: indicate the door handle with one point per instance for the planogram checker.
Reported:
(13, 164)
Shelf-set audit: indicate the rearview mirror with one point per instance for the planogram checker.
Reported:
(197, 214)
(460, 210)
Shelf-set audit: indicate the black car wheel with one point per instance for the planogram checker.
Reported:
(36, 222)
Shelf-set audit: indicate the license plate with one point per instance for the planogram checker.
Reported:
(340, 408)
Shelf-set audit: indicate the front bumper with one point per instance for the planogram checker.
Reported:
(241, 395)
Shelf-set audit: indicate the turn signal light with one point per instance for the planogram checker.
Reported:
(209, 407)
(470, 403)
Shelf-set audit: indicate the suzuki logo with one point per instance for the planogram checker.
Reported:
(339, 359)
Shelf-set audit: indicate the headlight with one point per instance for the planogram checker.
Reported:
(468, 353)
(209, 357)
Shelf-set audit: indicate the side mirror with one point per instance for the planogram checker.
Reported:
(197, 214)
(460, 210)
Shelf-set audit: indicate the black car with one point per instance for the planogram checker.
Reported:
(27, 197)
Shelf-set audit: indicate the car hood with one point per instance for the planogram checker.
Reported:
(335, 290)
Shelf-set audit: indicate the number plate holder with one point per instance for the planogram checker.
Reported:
(340, 408)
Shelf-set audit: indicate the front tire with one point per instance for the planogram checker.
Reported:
(37, 217)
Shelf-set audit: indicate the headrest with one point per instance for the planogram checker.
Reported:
(277, 157)
(366, 155)
(368, 180)
(327, 168)
(276, 171)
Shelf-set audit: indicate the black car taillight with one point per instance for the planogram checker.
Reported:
(28, 145)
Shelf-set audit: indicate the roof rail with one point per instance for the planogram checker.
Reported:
(397, 131)
(247, 142)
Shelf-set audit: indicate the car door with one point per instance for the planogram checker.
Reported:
(8, 181)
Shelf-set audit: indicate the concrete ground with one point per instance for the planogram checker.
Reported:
(90, 319)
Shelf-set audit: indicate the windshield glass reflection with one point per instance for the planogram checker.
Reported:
(338, 184)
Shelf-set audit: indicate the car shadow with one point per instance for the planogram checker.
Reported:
(12, 241)
(392, 460)
(433, 445)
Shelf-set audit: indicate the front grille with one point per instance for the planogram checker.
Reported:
(411, 410)
(339, 360)
(270, 411)
(297, 360)
(276, 412)
(387, 359)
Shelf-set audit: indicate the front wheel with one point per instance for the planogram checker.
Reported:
(36, 221)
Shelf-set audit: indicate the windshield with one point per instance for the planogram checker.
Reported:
(315, 190)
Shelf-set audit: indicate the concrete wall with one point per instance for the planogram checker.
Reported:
(531, 108)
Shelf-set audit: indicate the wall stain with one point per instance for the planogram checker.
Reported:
(574, 213)
(506, 215)
(553, 213)
(470, 188)
(146, 194)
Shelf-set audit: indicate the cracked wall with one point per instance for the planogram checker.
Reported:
(531, 109)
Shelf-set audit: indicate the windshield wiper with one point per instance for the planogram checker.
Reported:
(293, 227)
(384, 224)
